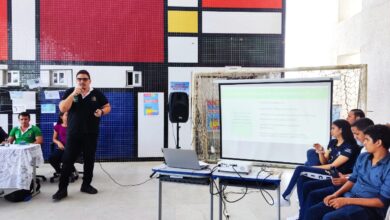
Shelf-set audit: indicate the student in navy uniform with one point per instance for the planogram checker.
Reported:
(353, 116)
(341, 153)
(366, 195)
(85, 106)
(314, 191)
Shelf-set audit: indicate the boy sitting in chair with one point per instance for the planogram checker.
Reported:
(366, 195)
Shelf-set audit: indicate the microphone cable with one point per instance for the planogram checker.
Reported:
(125, 185)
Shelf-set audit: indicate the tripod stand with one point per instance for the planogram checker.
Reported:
(177, 135)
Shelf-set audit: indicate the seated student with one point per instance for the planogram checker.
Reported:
(26, 133)
(366, 195)
(354, 115)
(342, 153)
(59, 138)
(314, 191)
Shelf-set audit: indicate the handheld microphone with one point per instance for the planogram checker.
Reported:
(76, 98)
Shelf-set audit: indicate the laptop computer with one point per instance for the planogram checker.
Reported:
(185, 159)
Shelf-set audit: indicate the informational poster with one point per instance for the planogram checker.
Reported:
(180, 87)
(26, 99)
(48, 108)
(52, 95)
(212, 116)
(150, 127)
(151, 104)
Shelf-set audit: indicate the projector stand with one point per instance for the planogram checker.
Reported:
(177, 137)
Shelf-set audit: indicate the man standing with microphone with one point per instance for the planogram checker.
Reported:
(85, 106)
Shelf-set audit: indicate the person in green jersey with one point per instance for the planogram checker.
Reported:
(25, 133)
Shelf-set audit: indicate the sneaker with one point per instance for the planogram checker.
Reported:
(88, 189)
(60, 194)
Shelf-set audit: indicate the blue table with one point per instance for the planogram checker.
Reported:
(186, 176)
(251, 180)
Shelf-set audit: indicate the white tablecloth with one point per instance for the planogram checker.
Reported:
(16, 165)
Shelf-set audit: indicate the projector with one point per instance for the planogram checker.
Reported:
(235, 166)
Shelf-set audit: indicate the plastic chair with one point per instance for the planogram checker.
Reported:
(56, 176)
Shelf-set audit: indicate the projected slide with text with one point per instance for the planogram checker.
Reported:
(274, 121)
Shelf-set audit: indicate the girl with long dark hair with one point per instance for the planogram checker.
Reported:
(342, 152)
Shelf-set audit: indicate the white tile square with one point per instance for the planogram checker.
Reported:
(182, 49)
(183, 3)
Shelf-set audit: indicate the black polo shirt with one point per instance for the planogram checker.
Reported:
(81, 118)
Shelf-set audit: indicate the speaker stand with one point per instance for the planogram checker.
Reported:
(177, 135)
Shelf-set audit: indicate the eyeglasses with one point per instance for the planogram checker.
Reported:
(82, 79)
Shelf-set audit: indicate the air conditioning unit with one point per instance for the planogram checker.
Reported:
(134, 79)
(13, 78)
(56, 77)
(60, 77)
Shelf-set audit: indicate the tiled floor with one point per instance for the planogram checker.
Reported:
(180, 201)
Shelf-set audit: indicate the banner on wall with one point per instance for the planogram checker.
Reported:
(212, 115)
(180, 87)
(151, 104)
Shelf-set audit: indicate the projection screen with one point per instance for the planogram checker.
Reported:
(274, 121)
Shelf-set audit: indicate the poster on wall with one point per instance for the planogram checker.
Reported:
(25, 99)
(180, 87)
(212, 115)
(52, 95)
(48, 108)
(151, 104)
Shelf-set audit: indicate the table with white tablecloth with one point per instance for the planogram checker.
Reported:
(17, 165)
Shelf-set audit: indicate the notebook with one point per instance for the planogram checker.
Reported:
(185, 159)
